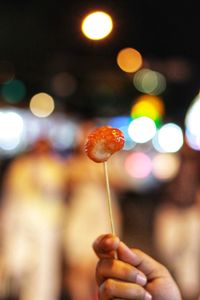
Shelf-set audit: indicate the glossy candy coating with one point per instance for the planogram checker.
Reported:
(103, 142)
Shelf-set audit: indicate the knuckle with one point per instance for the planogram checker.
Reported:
(102, 265)
(107, 288)
(130, 273)
(163, 270)
(102, 268)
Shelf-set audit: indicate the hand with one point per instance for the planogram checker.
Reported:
(133, 275)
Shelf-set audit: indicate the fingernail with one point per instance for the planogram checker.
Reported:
(141, 279)
(147, 296)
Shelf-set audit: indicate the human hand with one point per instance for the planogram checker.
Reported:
(133, 275)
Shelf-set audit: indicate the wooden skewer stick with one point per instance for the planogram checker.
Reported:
(109, 198)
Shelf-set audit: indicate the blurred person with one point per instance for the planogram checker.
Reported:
(87, 218)
(124, 273)
(33, 210)
(177, 226)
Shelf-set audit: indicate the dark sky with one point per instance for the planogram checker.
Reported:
(41, 38)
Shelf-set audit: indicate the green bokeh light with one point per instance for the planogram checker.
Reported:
(14, 91)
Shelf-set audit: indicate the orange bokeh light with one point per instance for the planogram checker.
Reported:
(129, 60)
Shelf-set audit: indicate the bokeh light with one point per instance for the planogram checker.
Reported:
(193, 141)
(20, 129)
(14, 91)
(11, 130)
(97, 25)
(192, 124)
(129, 60)
(178, 69)
(165, 166)
(42, 105)
(119, 121)
(149, 106)
(63, 132)
(138, 165)
(170, 138)
(142, 129)
(149, 82)
(63, 84)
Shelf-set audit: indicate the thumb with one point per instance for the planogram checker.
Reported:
(106, 245)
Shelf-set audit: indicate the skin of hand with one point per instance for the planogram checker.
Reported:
(124, 273)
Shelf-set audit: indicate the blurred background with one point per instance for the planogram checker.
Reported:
(65, 69)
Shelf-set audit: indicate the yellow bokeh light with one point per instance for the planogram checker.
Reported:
(144, 108)
(129, 60)
(149, 106)
(97, 25)
(42, 105)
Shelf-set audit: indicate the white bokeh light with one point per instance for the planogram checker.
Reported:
(192, 119)
(11, 130)
(170, 138)
(97, 25)
(142, 129)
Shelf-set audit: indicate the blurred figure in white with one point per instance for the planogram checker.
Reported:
(33, 211)
(87, 219)
(177, 227)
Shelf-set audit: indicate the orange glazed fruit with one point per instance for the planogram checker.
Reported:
(103, 142)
